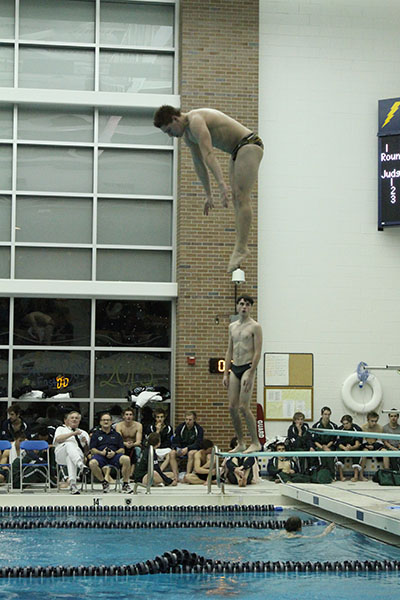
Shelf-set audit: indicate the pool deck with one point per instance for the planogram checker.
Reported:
(363, 505)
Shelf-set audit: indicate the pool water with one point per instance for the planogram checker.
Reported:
(74, 547)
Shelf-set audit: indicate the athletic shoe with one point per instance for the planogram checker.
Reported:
(106, 486)
(126, 488)
(74, 489)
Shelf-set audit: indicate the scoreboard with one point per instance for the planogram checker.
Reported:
(389, 163)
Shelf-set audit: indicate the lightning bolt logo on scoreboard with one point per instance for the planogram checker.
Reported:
(395, 107)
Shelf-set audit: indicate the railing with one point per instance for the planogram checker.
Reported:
(150, 474)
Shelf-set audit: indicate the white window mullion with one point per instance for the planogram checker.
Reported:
(95, 190)
(13, 191)
(97, 48)
(16, 44)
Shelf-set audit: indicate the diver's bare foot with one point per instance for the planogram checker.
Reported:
(362, 478)
(236, 259)
(252, 448)
(238, 448)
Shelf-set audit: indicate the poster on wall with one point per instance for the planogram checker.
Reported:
(280, 404)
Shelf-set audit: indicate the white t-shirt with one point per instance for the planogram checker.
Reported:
(62, 430)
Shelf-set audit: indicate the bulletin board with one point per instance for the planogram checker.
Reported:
(288, 385)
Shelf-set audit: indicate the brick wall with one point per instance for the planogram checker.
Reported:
(219, 69)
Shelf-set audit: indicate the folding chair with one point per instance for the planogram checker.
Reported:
(62, 475)
(28, 468)
(6, 445)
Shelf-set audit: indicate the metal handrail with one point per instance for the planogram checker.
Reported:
(360, 434)
(150, 470)
(312, 454)
(212, 461)
(150, 474)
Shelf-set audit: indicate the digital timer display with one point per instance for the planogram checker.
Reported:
(62, 382)
(217, 365)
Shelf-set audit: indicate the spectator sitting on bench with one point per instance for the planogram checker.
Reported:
(371, 426)
(201, 465)
(281, 468)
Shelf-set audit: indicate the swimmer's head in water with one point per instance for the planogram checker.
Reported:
(293, 524)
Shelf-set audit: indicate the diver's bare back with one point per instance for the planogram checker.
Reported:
(243, 341)
(225, 132)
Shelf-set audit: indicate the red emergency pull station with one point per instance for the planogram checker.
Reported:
(191, 360)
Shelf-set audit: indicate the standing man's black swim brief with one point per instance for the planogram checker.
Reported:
(252, 138)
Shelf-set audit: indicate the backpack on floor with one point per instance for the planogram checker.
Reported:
(321, 475)
(387, 477)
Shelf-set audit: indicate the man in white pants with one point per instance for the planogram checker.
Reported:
(69, 442)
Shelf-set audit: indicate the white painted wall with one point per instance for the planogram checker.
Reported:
(329, 282)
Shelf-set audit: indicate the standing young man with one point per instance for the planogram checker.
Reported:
(204, 129)
(244, 352)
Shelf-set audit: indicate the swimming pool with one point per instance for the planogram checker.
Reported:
(81, 546)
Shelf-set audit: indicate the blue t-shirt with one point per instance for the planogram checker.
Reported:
(100, 440)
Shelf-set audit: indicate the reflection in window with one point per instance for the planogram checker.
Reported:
(4, 320)
(38, 414)
(133, 323)
(3, 373)
(51, 322)
(52, 371)
(117, 372)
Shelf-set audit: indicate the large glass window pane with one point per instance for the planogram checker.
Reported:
(135, 24)
(66, 21)
(44, 369)
(51, 322)
(133, 265)
(53, 263)
(130, 127)
(4, 320)
(117, 372)
(6, 122)
(133, 323)
(56, 69)
(135, 172)
(7, 28)
(55, 125)
(50, 169)
(4, 263)
(5, 218)
(138, 73)
(3, 373)
(6, 66)
(134, 222)
(114, 408)
(36, 413)
(5, 166)
(63, 220)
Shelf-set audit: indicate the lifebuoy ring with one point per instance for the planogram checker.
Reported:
(356, 407)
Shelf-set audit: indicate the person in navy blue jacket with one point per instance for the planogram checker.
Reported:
(107, 448)
(300, 438)
(186, 441)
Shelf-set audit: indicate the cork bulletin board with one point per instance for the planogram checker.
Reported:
(288, 385)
